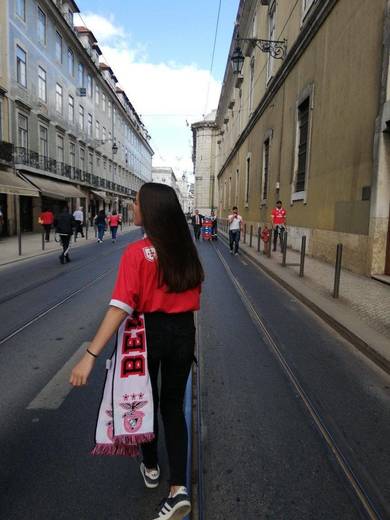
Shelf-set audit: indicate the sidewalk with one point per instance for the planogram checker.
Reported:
(32, 245)
(361, 313)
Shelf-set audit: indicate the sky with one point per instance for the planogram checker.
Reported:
(160, 51)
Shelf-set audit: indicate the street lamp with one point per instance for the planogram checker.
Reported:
(276, 48)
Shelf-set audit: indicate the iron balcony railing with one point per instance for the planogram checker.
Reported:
(20, 155)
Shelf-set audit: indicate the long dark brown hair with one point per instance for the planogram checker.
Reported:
(166, 226)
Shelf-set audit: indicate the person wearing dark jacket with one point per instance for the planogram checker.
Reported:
(64, 224)
(101, 224)
(197, 224)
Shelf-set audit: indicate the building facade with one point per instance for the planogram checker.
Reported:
(311, 129)
(166, 175)
(76, 138)
(205, 138)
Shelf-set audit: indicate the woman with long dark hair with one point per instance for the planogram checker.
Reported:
(156, 292)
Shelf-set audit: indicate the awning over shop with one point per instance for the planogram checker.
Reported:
(101, 195)
(54, 189)
(14, 185)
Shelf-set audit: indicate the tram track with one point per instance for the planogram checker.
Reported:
(364, 491)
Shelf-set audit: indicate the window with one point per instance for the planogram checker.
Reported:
(21, 59)
(90, 163)
(58, 47)
(103, 102)
(70, 62)
(265, 173)
(81, 75)
(42, 85)
(97, 94)
(82, 159)
(89, 125)
(303, 139)
(81, 118)
(104, 135)
(271, 36)
(105, 163)
(41, 26)
(21, 9)
(72, 154)
(114, 115)
(251, 81)
(97, 129)
(98, 161)
(247, 180)
(89, 85)
(59, 99)
(22, 131)
(71, 109)
(109, 136)
(43, 141)
(109, 109)
(60, 148)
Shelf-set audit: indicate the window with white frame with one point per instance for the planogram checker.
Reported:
(89, 86)
(109, 109)
(58, 47)
(70, 62)
(97, 129)
(81, 118)
(81, 75)
(104, 133)
(301, 160)
(90, 163)
(21, 9)
(71, 109)
(43, 141)
(42, 84)
(265, 170)
(22, 131)
(82, 159)
(271, 36)
(60, 148)
(72, 154)
(247, 179)
(41, 26)
(21, 61)
(59, 98)
(89, 125)
(97, 94)
(103, 102)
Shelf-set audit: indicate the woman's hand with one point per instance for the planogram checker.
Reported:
(82, 370)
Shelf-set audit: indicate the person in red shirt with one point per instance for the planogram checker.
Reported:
(46, 218)
(278, 217)
(113, 222)
(159, 276)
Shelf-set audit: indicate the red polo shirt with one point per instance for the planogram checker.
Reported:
(136, 286)
(279, 216)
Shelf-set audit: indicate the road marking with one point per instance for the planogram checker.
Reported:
(57, 389)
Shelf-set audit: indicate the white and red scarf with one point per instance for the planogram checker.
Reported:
(125, 418)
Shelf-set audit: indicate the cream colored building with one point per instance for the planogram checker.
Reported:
(311, 129)
(206, 137)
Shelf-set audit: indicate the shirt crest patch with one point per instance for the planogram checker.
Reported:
(150, 253)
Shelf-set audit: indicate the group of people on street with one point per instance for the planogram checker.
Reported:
(197, 221)
(102, 221)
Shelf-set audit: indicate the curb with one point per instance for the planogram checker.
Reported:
(348, 334)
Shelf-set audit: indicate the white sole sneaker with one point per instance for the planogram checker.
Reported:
(150, 483)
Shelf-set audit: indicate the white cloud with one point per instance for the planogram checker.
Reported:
(166, 95)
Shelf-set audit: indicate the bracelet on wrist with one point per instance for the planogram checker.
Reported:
(92, 354)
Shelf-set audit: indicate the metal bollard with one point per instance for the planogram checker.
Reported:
(337, 273)
(303, 253)
(250, 236)
(244, 234)
(284, 249)
(86, 230)
(43, 240)
(258, 239)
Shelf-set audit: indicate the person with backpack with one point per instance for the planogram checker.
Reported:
(156, 293)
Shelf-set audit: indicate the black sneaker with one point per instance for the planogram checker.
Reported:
(67, 259)
(151, 476)
(61, 259)
(174, 508)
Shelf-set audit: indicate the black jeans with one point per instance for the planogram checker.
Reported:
(171, 342)
(65, 241)
(197, 228)
(47, 228)
(278, 232)
(234, 240)
(79, 228)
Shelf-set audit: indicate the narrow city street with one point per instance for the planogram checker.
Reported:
(262, 454)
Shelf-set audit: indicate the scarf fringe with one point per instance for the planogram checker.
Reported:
(126, 445)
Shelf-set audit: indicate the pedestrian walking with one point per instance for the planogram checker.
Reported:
(214, 222)
(197, 220)
(236, 225)
(46, 219)
(113, 221)
(101, 224)
(64, 224)
(279, 219)
(78, 216)
(156, 292)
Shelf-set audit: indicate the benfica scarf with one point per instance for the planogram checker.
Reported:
(125, 418)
